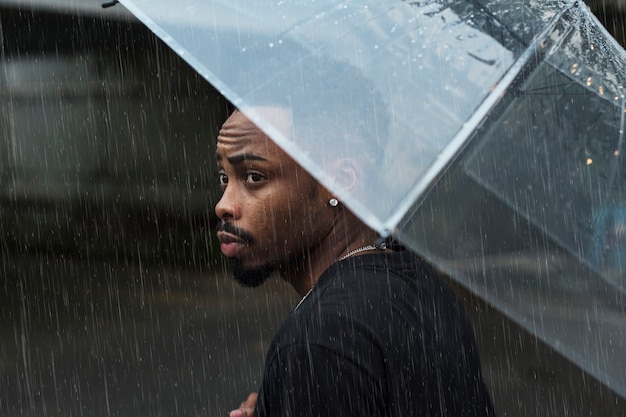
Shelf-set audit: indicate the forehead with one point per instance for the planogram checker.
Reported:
(240, 134)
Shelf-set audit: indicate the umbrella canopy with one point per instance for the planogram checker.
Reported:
(489, 134)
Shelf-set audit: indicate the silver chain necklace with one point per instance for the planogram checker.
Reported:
(357, 250)
(381, 246)
(304, 298)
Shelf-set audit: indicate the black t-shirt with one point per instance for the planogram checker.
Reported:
(379, 335)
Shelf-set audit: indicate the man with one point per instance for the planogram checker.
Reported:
(376, 333)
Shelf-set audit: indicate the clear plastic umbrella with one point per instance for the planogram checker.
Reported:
(490, 134)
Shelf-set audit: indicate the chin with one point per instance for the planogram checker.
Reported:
(251, 277)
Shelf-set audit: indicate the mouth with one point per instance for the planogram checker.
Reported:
(225, 237)
(232, 239)
(231, 245)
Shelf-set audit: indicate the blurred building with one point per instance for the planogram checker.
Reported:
(106, 135)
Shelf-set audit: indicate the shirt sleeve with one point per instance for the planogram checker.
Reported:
(312, 380)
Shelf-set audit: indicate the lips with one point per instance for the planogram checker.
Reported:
(230, 245)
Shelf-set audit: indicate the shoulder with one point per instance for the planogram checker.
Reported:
(370, 296)
(377, 316)
(402, 281)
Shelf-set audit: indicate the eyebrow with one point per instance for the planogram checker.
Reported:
(236, 159)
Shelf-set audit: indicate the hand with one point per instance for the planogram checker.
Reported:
(246, 408)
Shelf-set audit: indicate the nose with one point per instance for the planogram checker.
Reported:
(227, 208)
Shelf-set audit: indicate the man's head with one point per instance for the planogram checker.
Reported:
(272, 210)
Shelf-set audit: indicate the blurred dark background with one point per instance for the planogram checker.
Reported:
(612, 14)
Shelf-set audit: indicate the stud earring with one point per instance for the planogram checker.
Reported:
(333, 202)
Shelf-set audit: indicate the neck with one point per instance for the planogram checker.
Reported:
(304, 271)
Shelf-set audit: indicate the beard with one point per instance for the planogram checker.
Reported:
(245, 277)
(251, 277)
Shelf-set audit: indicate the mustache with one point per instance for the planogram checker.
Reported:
(235, 231)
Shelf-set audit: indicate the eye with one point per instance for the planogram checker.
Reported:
(253, 178)
(223, 179)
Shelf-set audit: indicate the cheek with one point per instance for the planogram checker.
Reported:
(289, 216)
(273, 217)
(289, 208)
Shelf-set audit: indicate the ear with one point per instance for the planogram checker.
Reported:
(346, 173)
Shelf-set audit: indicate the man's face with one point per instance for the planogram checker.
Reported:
(272, 211)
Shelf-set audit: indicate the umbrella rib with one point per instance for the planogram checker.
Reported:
(543, 88)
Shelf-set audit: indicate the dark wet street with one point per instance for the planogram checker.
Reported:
(103, 339)
(100, 338)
